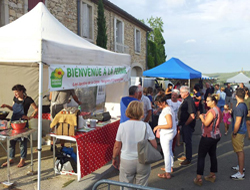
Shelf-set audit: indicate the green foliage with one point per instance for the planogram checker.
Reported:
(156, 23)
(156, 50)
(101, 27)
(160, 42)
(151, 54)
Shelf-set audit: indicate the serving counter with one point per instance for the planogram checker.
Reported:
(94, 148)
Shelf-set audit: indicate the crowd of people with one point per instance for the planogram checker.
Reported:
(171, 115)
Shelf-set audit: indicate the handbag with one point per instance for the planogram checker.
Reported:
(55, 109)
(147, 154)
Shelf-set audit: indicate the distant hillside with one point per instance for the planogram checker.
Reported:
(222, 77)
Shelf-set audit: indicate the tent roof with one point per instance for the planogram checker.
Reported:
(173, 69)
(38, 36)
(205, 77)
(239, 78)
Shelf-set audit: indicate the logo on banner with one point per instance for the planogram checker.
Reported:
(56, 78)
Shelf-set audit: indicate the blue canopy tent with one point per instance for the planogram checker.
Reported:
(173, 69)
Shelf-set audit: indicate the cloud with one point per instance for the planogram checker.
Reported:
(222, 10)
(175, 3)
(190, 41)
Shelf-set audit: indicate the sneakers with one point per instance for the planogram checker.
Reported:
(238, 176)
(185, 163)
(237, 168)
(182, 158)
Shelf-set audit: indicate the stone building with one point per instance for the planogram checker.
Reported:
(125, 33)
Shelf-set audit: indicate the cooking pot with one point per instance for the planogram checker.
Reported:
(3, 114)
(19, 124)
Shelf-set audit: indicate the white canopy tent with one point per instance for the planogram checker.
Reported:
(39, 39)
(240, 78)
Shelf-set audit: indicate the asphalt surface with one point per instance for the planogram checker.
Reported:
(182, 177)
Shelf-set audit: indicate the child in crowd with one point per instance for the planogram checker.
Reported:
(226, 118)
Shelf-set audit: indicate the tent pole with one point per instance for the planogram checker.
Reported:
(40, 103)
(189, 83)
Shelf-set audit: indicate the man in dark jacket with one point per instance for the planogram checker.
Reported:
(187, 121)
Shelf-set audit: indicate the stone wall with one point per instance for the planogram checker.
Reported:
(66, 12)
(16, 9)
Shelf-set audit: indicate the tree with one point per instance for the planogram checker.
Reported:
(156, 50)
(151, 54)
(101, 27)
(160, 49)
(156, 23)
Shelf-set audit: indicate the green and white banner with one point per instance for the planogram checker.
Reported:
(69, 77)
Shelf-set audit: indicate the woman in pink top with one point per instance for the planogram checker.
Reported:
(226, 118)
(210, 137)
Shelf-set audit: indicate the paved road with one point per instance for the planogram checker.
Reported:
(183, 176)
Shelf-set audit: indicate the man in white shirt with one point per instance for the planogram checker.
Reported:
(217, 88)
(146, 104)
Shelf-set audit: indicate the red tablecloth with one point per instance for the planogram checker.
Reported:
(44, 116)
(95, 148)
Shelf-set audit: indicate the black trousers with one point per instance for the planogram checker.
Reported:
(207, 145)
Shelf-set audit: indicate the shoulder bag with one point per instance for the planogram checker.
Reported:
(55, 108)
(147, 154)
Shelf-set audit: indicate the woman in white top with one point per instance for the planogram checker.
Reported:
(167, 126)
(128, 135)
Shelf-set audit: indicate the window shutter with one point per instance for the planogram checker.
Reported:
(33, 3)
(85, 20)
(135, 39)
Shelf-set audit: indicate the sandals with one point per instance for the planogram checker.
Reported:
(198, 181)
(6, 163)
(164, 176)
(210, 178)
(21, 164)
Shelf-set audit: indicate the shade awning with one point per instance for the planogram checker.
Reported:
(173, 69)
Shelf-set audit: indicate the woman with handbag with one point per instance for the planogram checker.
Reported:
(210, 137)
(128, 135)
(168, 130)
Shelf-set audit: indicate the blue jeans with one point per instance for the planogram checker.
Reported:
(22, 146)
(187, 133)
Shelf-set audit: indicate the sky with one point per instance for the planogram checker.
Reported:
(211, 36)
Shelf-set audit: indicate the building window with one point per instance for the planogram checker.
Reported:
(4, 12)
(119, 36)
(137, 40)
(87, 21)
